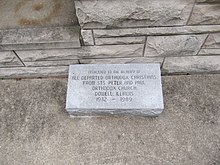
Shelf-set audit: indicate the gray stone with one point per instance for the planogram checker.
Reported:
(33, 72)
(132, 13)
(209, 52)
(191, 65)
(213, 41)
(116, 89)
(205, 14)
(84, 52)
(120, 40)
(35, 128)
(9, 59)
(123, 60)
(100, 33)
(180, 45)
(39, 38)
(51, 63)
(208, 1)
(87, 37)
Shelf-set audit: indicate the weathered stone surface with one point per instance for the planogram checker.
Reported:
(9, 59)
(24, 72)
(192, 64)
(87, 37)
(123, 60)
(39, 38)
(100, 33)
(115, 89)
(213, 41)
(205, 14)
(84, 52)
(209, 52)
(36, 130)
(180, 45)
(132, 13)
(119, 40)
(51, 63)
(208, 1)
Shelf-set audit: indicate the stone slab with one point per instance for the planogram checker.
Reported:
(9, 59)
(207, 1)
(177, 45)
(213, 41)
(107, 51)
(51, 63)
(205, 14)
(36, 130)
(33, 72)
(132, 13)
(209, 52)
(116, 89)
(123, 60)
(120, 40)
(40, 38)
(191, 65)
(156, 31)
(87, 36)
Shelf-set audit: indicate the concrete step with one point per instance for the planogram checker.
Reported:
(40, 38)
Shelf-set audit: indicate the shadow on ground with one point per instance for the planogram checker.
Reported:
(35, 128)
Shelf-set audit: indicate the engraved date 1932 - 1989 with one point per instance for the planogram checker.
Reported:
(122, 99)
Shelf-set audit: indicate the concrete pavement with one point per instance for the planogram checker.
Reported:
(35, 128)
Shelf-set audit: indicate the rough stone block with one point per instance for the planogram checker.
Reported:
(132, 13)
(84, 52)
(205, 14)
(9, 59)
(116, 89)
(87, 37)
(191, 65)
(119, 40)
(213, 41)
(180, 45)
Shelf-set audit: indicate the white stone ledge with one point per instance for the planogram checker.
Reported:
(156, 31)
(191, 65)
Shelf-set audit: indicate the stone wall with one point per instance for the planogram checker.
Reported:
(182, 35)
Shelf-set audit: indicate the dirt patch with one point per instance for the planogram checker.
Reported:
(38, 7)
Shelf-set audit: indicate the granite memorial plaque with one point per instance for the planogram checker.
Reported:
(114, 89)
